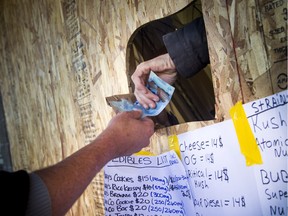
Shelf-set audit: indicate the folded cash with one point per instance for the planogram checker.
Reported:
(157, 86)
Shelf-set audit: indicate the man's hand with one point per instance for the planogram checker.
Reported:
(126, 133)
(164, 67)
(129, 132)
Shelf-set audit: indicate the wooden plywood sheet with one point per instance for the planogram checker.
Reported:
(60, 59)
(226, 79)
(260, 42)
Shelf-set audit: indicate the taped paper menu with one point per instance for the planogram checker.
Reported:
(147, 185)
(268, 118)
(219, 181)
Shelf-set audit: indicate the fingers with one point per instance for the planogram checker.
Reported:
(150, 124)
(141, 74)
(147, 100)
(160, 65)
(129, 132)
(147, 130)
(143, 95)
(135, 114)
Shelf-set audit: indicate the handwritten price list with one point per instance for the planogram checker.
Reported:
(141, 187)
(210, 158)
(268, 121)
(205, 155)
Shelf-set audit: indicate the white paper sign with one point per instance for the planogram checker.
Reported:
(147, 186)
(219, 179)
(268, 121)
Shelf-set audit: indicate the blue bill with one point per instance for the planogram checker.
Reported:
(157, 86)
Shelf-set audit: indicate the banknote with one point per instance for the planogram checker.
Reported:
(157, 86)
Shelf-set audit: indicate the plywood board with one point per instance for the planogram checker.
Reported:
(61, 59)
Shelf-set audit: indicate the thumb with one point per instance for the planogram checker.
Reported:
(136, 114)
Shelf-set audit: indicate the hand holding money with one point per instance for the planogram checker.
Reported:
(156, 86)
(163, 67)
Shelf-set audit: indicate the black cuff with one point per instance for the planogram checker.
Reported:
(39, 202)
(188, 48)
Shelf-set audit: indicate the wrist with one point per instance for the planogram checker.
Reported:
(108, 144)
(169, 62)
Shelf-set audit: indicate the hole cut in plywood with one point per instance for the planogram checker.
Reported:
(194, 98)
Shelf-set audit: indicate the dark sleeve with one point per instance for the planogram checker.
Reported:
(188, 48)
(14, 187)
(39, 202)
